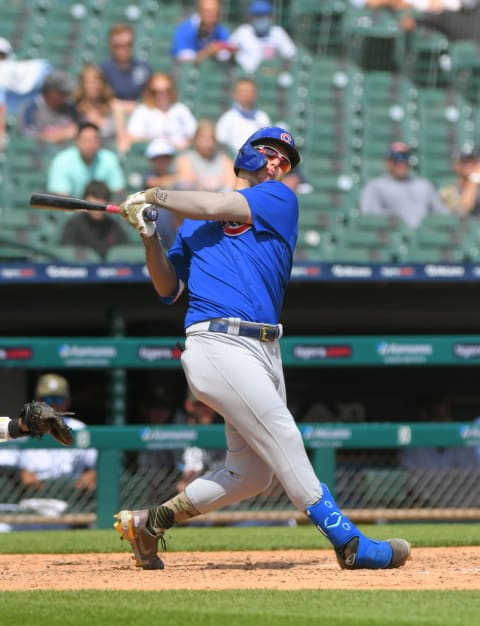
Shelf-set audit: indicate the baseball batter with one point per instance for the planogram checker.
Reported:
(234, 253)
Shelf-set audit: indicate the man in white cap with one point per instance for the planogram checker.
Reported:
(161, 157)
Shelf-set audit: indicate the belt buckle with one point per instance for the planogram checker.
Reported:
(264, 334)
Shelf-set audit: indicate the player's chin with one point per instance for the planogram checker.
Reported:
(273, 175)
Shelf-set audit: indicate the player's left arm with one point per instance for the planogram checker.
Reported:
(195, 205)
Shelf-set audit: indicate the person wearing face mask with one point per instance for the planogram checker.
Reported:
(261, 39)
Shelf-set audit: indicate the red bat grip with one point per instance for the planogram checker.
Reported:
(150, 213)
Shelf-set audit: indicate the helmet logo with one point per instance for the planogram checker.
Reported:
(286, 138)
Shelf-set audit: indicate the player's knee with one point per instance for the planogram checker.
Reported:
(258, 478)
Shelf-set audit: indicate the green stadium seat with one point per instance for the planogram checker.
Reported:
(465, 69)
(212, 89)
(445, 124)
(318, 24)
(126, 253)
(12, 252)
(343, 253)
(373, 38)
(76, 254)
(443, 221)
(422, 59)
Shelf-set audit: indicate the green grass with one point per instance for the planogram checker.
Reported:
(241, 608)
(236, 608)
(231, 538)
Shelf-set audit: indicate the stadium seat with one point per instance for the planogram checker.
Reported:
(76, 254)
(445, 124)
(318, 24)
(213, 89)
(126, 253)
(422, 61)
(464, 70)
(434, 255)
(373, 38)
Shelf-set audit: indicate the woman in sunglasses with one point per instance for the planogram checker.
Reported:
(234, 253)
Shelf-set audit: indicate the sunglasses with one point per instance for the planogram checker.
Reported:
(52, 399)
(271, 153)
(399, 156)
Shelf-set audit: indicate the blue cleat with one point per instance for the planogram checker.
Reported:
(353, 549)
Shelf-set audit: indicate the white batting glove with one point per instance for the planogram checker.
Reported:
(134, 198)
(133, 213)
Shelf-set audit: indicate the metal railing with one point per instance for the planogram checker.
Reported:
(363, 463)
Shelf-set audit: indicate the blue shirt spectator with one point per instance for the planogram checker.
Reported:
(126, 75)
(202, 35)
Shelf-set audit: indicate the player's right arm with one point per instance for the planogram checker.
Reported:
(162, 273)
(11, 429)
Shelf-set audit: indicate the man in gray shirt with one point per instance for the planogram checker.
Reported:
(400, 193)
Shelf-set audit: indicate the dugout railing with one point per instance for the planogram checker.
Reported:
(359, 461)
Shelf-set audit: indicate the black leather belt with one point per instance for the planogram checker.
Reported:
(262, 332)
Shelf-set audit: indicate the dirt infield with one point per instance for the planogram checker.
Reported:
(429, 568)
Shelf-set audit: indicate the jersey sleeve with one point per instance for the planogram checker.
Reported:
(179, 257)
(274, 209)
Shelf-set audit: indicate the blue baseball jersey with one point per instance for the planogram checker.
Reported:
(239, 270)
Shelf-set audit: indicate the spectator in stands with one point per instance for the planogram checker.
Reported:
(126, 75)
(41, 469)
(96, 103)
(195, 461)
(205, 166)
(401, 5)
(243, 118)
(94, 229)
(463, 196)
(161, 159)
(202, 35)
(162, 173)
(456, 19)
(74, 167)
(261, 39)
(21, 79)
(400, 193)
(51, 117)
(161, 115)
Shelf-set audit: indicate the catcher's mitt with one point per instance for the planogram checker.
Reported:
(40, 418)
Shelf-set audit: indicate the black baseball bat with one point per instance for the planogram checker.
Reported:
(64, 203)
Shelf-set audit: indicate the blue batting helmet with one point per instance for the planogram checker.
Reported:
(249, 159)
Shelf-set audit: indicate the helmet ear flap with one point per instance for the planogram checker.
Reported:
(249, 159)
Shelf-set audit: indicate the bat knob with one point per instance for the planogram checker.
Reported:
(150, 213)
